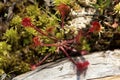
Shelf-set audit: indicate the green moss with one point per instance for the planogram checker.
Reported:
(32, 10)
(12, 36)
(4, 48)
(31, 31)
(102, 5)
(12, 65)
(58, 2)
(16, 20)
(117, 8)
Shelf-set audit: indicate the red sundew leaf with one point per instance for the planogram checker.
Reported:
(26, 22)
(95, 27)
(81, 66)
(50, 29)
(64, 11)
(36, 41)
(33, 67)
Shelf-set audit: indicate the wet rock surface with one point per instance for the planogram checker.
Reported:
(102, 64)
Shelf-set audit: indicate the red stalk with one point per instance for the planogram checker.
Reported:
(33, 67)
(39, 63)
(58, 44)
(62, 18)
(64, 11)
(40, 31)
(67, 55)
(54, 44)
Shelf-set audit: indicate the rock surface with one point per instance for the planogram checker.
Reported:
(102, 64)
(110, 78)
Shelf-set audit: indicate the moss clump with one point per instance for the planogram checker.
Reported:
(16, 21)
(117, 8)
(58, 2)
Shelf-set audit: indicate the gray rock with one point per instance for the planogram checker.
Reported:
(105, 63)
